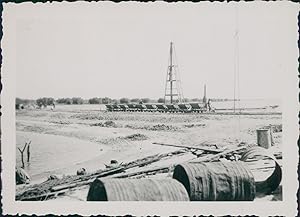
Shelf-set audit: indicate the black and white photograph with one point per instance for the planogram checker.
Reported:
(193, 104)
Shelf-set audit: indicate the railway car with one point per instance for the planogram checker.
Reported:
(109, 107)
(185, 108)
(123, 107)
(172, 108)
(141, 107)
(198, 107)
(151, 107)
(131, 107)
(161, 108)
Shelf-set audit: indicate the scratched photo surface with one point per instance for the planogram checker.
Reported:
(136, 102)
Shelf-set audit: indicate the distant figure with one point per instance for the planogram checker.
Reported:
(209, 105)
(22, 176)
(81, 171)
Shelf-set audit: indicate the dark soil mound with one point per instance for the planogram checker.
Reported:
(136, 137)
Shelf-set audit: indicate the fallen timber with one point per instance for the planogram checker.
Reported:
(166, 169)
(54, 188)
(190, 147)
(210, 158)
(50, 187)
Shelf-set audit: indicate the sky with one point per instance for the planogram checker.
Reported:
(121, 50)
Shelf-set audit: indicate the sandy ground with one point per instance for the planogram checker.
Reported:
(69, 138)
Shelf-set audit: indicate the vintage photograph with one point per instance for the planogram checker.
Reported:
(151, 101)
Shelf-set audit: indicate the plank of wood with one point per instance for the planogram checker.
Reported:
(141, 172)
(72, 185)
(43, 196)
(190, 147)
(217, 156)
(87, 179)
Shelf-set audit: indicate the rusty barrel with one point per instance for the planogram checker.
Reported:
(222, 181)
(137, 190)
(271, 183)
(264, 137)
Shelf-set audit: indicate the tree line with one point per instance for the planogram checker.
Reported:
(47, 101)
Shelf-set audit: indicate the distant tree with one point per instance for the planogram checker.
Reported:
(24, 101)
(114, 101)
(196, 100)
(95, 100)
(124, 100)
(135, 100)
(106, 100)
(19, 101)
(152, 101)
(161, 100)
(85, 101)
(60, 101)
(67, 101)
(77, 100)
(45, 101)
(50, 101)
(145, 100)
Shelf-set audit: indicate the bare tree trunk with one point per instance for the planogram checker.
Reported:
(22, 159)
(28, 153)
(22, 153)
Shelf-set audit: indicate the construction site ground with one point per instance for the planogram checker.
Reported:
(71, 137)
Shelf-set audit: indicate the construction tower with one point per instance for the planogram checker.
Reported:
(204, 100)
(173, 89)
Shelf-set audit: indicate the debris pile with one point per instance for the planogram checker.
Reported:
(136, 137)
(206, 172)
(157, 127)
(163, 127)
(106, 124)
(277, 128)
(61, 122)
(194, 125)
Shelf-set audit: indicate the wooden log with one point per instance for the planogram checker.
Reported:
(190, 147)
(142, 172)
(86, 179)
(68, 186)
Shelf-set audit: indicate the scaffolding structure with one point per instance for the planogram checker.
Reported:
(173, 90)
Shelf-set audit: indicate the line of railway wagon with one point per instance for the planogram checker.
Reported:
(163, 108)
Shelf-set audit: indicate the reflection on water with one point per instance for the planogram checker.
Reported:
(51, 152)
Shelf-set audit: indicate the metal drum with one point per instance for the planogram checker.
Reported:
(137, 190)
(216, 181)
